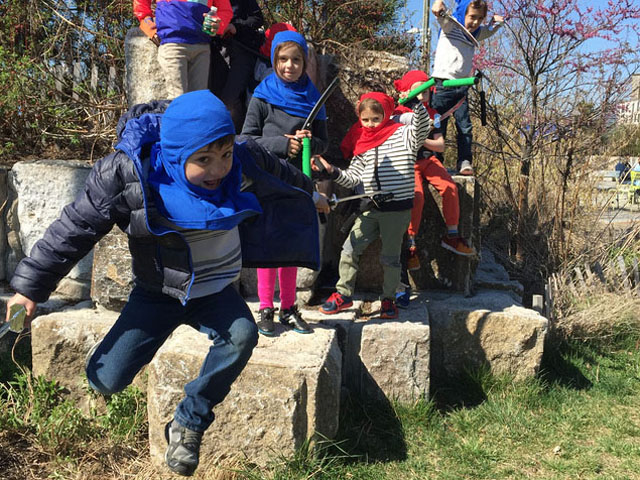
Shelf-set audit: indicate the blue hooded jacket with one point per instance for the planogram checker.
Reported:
(117, 191)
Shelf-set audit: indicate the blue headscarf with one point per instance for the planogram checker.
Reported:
(461, 12)
(295, 98)
(190, 122)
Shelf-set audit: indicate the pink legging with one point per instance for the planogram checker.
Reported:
(267, 286)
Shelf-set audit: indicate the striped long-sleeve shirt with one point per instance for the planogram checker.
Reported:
(396, 159)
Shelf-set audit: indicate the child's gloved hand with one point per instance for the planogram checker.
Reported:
(148, 27)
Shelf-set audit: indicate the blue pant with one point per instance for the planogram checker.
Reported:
(146, 322)
(443, 100)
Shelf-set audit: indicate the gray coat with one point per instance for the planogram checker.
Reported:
(267, 125)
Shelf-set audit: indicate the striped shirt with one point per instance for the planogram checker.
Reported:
(396, 159)
(216, 258)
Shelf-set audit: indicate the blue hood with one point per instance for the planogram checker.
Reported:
(461, 11)
(295, 98)
(190, 122)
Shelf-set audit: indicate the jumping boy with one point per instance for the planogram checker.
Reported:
(181, 193)
(454, 59)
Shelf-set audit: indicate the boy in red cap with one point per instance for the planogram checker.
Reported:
(429, 168)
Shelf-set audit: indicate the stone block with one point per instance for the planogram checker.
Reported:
(395, 356)
(42, 188)
(60, 343)
(144, 78)
(382, 358)
(489, 329)
(289, 390)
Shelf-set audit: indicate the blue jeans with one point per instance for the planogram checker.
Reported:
(146, 322)
(443, 100)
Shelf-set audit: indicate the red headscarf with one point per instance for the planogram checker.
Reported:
(265, 49)
(359, 139)
(404, 85)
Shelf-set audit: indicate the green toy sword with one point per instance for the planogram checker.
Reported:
(306, 142)
(456, 82)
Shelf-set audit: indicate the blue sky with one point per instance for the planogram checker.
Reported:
(414, 14)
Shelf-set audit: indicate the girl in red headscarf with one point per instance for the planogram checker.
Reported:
(384, 154)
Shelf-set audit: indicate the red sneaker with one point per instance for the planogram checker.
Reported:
(458, 246)
(336, 303)
(388, 309)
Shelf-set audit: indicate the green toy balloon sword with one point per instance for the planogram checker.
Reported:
(306, 142)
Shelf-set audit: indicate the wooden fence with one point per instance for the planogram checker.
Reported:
(79, 74)
(586, 280)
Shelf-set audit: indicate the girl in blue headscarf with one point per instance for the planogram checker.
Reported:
(278, 108)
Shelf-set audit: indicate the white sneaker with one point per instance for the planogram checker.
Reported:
(465, 168)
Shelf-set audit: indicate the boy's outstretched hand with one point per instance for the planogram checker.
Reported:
(28, 304)
(438, 7)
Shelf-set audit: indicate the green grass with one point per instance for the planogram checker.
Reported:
(578, 419)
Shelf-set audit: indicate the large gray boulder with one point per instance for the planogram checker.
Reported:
(288, 393)
(382, 359)
(144, 78)
(60, 342)
(42, 188)
(488, 330)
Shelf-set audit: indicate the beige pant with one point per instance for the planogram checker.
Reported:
(369, 226)
(185, 67)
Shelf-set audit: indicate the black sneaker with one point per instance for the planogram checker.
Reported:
(183, 452)
(265, 324)
(291, 318)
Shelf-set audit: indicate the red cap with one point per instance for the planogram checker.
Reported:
(408, 79)
(265, 49)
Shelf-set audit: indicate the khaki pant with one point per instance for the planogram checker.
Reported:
(185, 67)
(390, 227)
